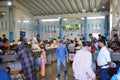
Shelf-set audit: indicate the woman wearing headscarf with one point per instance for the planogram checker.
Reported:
(26, 58)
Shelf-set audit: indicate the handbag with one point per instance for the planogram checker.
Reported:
(39, 62)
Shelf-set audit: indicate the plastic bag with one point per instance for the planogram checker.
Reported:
(116, 76)
(39, 62)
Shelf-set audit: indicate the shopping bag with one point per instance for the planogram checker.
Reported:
(39, 62)
(71, 56)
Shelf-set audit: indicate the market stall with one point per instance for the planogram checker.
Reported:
(9, 60)
(50, 55)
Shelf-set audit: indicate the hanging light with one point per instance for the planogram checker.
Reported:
(84, 11)
(3, 13)
(26, 21)
(103, 7)
(49, 20)
(98, 17)
(19, 21)
(9, 3)
(94, 10)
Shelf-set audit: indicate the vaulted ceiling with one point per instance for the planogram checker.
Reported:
(54, 7)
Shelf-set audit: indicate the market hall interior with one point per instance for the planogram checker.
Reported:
(43, 24)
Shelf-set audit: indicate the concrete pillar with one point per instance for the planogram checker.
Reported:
(85, 28)
(60, 28)
(11, 26)
(38, 28)
(106, 26)
(110, 17)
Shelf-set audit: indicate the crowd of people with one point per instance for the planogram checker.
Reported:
(82, 61)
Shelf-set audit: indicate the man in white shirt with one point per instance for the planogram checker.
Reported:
(104, 60)
(82, 64)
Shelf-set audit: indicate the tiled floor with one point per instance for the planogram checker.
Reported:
(51, 72)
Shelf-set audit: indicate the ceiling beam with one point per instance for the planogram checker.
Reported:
(74, 15)
(85, 4)
(57, 6)
(39, 6)
(67, 5)
(105, 1)
(26, 6)
(60, 3)
(32, 5)
(31, 9)
(45, 6)
(23, 8)
(51, 6)
(74, 6)
(3, 3)
(92, 4)
(98, 2)
(79, 5)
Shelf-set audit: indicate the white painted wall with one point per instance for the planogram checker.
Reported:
(18, 14)
(29, 28)
(75, 33)
(72, 34)
(23, 14)
(6, 18)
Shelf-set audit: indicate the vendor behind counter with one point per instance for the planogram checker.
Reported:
(114, 43)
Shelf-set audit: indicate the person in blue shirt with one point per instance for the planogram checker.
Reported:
(3, 74)
(62, 55)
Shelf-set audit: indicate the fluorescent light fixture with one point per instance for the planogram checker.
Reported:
(19, 21)
(26, 21)
(52, 20)
(65, 19)
(59, 17)
(49, 20)
(9, 3)
(99, 17)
